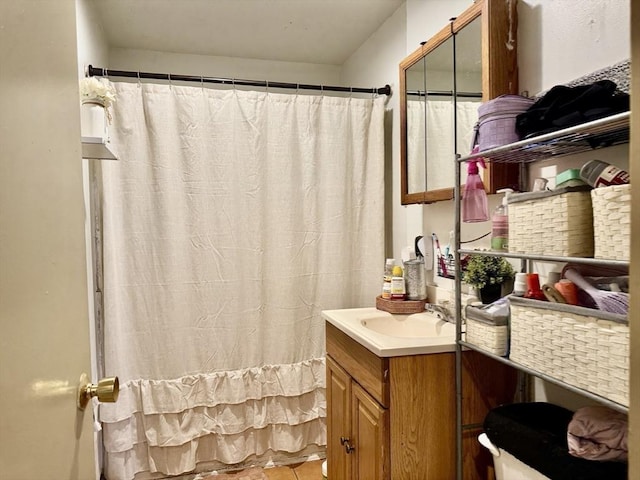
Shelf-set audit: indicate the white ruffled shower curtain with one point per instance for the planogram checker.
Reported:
(439, 146)
(231, 220)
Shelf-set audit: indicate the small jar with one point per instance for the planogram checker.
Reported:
(520, 284)
(533, 288)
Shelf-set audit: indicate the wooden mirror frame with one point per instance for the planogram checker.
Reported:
(499, 77)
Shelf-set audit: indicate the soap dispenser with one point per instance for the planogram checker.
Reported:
(500, 224)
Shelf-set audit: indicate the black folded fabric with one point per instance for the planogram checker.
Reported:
(536, 434)
(563, 107)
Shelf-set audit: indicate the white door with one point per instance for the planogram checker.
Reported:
(44, 328)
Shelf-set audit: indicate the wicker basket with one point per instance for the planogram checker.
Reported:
(612, 222)
(400, 306)
(586, 348)
(558, 222)
(489, 333)
(492, 338)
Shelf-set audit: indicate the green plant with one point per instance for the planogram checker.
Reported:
(483, 270)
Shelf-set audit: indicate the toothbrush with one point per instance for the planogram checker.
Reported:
(447, 248)
(443, 265)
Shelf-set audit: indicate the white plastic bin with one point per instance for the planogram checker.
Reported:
(506, 466)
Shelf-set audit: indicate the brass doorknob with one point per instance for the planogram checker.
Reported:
(106, 390)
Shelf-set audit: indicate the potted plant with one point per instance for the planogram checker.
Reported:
(487, 273)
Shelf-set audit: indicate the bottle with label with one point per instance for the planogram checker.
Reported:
(500, 224)
(602, 174)
(398, 289)
(388, 275)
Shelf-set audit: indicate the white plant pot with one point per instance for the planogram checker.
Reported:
(93, 119)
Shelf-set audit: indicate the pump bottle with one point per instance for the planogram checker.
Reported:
(500, 224)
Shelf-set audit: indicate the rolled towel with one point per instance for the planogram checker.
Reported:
(598, 433)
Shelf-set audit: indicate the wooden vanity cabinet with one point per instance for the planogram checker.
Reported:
(394, 418)
(359, 440)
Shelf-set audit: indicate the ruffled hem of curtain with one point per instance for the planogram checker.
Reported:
(225, 450)
(169, 426)
(175, 429)
(217, 388)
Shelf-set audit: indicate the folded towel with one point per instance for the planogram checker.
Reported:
(598, 433)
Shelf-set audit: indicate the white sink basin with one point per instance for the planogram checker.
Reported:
(391, 335)
(410, 326)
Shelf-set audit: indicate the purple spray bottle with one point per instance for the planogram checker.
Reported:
(475, 207)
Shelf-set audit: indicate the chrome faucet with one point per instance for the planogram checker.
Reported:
(441, 311)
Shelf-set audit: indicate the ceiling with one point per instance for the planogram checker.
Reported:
(309, 31)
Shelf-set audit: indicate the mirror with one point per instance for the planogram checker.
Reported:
(439, 100)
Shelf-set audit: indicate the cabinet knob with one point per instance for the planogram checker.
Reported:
(347, 445)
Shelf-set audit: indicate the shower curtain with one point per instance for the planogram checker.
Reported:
(231, 220)
(439, 147)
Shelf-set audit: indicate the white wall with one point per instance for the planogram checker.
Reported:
(376, 63)
(163, 62)
(92, 44)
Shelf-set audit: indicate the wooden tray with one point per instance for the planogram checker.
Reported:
(400, 306)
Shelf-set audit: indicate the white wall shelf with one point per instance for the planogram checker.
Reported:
(95, 148)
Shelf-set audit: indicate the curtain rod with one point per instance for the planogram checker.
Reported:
(92, 71)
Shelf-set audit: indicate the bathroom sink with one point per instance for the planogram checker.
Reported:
(411, 326)
(390, 335)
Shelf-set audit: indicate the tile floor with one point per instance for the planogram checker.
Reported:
(300, 471)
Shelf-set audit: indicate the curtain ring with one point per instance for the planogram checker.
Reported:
(350, 92)
(139, 82)
(170, 84)
(267, 86)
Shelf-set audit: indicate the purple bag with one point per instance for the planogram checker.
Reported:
(497, 120)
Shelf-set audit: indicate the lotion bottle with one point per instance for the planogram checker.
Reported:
(500, 224)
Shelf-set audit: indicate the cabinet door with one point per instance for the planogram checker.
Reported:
(338, 420)
(371, 437)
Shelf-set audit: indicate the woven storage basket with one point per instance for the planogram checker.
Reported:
(612, 222)
(585, 348)
(492, 338)
(490, 334)
(400, 306)
(558, 222)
